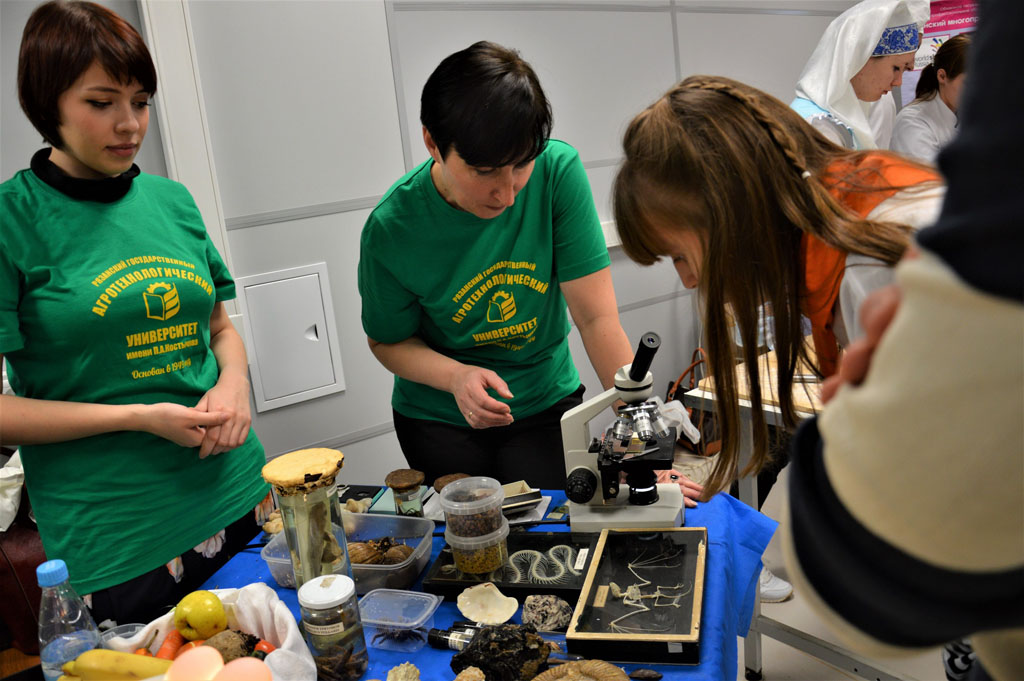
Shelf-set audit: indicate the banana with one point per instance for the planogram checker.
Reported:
(110, 665)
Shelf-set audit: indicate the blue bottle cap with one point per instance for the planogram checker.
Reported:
(51, 573)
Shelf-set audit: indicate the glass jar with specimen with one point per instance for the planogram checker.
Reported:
(306, 490)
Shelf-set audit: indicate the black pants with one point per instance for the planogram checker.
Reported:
(151, 594)
(530, 449)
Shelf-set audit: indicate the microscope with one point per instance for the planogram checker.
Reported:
(637, 444)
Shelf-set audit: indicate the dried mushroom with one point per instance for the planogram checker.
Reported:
(584, 670)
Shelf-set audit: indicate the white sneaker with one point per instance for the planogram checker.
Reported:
(773, 589)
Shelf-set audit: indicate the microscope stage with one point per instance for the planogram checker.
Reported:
(666, 512)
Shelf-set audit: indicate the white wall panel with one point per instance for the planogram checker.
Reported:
(300, 100)
(765, 50)
(597, 67)
(366, 402)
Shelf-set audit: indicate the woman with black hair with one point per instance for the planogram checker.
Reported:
(466, 270)
(929, 122)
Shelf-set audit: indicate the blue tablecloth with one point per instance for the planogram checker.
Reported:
(737, 536)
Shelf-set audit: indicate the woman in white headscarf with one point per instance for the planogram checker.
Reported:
(861, 57)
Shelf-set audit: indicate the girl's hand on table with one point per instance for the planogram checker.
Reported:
(469, 385)
(691, 490)
(231, 397)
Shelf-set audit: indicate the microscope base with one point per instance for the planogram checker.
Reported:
(666, 512)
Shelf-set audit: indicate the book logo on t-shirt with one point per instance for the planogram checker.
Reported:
(161, 301)
(501, 307)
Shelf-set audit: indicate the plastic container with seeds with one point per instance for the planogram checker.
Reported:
(479, 555)
(306, 490)
(472, 506)
(405, 486)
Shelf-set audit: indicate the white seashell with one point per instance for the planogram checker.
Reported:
(484, 604)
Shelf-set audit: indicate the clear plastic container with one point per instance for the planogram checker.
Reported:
(479, 555)
(122, 631)
(472, 506)
(416, 532)
(332, 627)
(398, 620)
(66, 628)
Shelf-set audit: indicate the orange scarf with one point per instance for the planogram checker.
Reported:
(824, 265)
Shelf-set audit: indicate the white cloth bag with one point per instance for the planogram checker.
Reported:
(254, 609)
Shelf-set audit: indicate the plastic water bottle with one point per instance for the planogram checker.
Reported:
(66, 628)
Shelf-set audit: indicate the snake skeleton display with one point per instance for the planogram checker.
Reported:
(551, 567)
(554, 566)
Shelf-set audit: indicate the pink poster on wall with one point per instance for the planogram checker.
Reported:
(948, 18)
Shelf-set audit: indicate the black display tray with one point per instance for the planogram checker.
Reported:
(444, 579)
(642, 598)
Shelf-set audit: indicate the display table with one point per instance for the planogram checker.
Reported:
(737, 536)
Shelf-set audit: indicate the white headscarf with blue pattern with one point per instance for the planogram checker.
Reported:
(869, 28)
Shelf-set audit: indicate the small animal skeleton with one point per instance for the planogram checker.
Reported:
(634, 597)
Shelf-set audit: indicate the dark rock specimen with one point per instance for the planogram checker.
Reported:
(506, 652)
(547, 613)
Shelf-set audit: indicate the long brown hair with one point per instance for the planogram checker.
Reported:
(951, 57)
(750, 177)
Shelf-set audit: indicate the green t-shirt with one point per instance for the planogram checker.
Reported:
(484, 292)
(110, 303)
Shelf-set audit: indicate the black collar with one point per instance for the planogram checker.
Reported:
(106, 190)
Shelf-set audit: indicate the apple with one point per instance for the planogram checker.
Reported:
(200, 615)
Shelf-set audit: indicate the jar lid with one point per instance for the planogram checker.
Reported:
(326, 591)
(51, 573)
(470, 496)
(303, 470)
(404, 479)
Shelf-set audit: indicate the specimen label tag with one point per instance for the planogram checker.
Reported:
(581, 559)
(600, 596)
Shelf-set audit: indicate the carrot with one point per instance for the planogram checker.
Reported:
(189, 646)
(172, 643)
(144, 650)
(265, 646)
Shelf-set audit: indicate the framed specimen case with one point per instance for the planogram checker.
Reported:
(641, 600)
(538, 563)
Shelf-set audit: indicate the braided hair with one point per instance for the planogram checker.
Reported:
(750, 177)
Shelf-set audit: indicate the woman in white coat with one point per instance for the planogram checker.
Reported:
(861, 56)
(928, 123)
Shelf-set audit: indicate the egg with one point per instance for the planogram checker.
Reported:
(244, 669)
(199, 664)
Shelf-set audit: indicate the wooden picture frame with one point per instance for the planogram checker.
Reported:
(642, 597)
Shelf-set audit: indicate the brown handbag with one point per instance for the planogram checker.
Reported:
(710, 443)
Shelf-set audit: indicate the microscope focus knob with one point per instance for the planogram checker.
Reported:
(580, 485)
